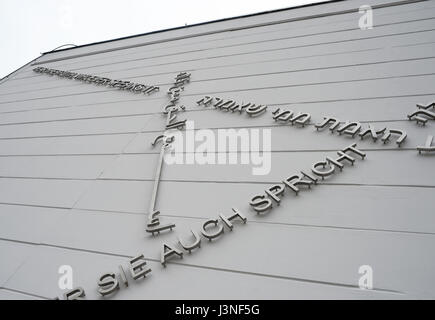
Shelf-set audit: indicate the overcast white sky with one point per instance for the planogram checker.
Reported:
(29, 27)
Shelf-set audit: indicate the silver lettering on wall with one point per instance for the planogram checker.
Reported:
(195, 244)
(108, 284)
(251, 109)
(427, 146)
(274, 191)
(302, 118)
(282, 115)
(353, 128)
(153, 225)
(324, 172)
(138, 267)
(421, 116)
(262, 203)
(333, 123)
(227, 219)
(212, 235)
(119, 84)
(293, 181)
(423, 113)
(75, 294)
(402, 136)
(373, 132)
(168, 252)
(350, 128)
(170, 110)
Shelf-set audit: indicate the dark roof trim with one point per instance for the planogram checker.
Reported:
(6, 77)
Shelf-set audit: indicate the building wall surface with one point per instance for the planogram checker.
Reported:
(77, 167)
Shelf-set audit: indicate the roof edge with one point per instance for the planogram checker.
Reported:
(196, 24)
(388, 3)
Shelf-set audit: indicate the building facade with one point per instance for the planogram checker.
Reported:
(144, 148)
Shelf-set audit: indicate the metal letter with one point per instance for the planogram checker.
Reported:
(301, 118)
(372, 132)
(75, 294)
(206, 101)
(325, 122)
(323, 174)
(254, 110)
(427, 107)
(342, 156)
(195, 244)
(168, 252)
(153, 225)
(353, 149)
(417, 115)
(208, 235)
(108, 284)
(310, 177)
(284, 115)
(399, 141)
(122, 276)
(295, 180)
(237, 214)
(345, 128)
(260, 203)
(274, 191)
(138, 267)
(427, 146)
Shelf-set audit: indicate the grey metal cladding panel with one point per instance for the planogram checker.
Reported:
(102, 144)
(248, 21)
(296, 28)
(269, 45)
(291, 138)
(332, 260)
(365, 111)
(342, 67)
(124, 123)
(394, 108)
(55, 193)
(398, 8)
(256, 49)
(415, 85)
(27, 223)
(297, 36)
(45, 78)
(13, 257)
(392, 32)
(81, 112)
(76, 127)
(175, 282)
(310, 62)
(286, 138)
(5, 85)
(87, 222)
(6, 294)
(148, 68)
(65, 167)
(391, 108)
(316, 208)
(351, 66)
(376, 169)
